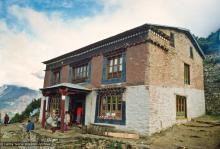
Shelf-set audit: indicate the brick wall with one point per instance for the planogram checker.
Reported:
(96, 70)
(136, 59)
(65, 74)
(47, 78)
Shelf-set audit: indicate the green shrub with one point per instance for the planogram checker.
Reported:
(35, 104)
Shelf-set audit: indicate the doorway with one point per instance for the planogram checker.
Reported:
(77, 109)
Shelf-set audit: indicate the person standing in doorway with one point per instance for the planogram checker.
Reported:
(78, 115)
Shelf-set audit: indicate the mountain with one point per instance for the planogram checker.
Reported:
(14, 99)
(211, 44)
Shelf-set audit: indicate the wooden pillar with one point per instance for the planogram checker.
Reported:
(62, 112)
(43, 113)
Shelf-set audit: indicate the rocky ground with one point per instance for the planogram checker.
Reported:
(201, 133)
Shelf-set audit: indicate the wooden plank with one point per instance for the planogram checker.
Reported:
(122, 135)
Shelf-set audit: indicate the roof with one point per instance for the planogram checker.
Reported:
(124, 36)
(68, 85)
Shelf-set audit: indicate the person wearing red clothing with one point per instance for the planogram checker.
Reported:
(78, 115)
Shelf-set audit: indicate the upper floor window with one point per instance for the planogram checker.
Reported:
(114, 67)
(172, 40)
(186, 74)
(191, 52)
(55, 77)
(80, 73)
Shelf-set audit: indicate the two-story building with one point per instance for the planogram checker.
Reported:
(142, 80)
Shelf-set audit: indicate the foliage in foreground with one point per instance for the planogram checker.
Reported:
(35, 104)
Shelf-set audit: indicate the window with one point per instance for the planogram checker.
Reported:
(186, 74)
(181, 110)
(114, 67)
(56, 77)
(80, 73)
(172, 40)
(55, 104)
(191, 52)
(111, 107)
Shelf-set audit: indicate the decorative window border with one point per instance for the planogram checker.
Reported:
(101, 92)
(105, 80)
(78, 65)
(52, 81)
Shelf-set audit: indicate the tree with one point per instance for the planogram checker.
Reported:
(35, 104)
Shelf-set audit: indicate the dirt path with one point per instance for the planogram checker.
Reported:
(203, 133)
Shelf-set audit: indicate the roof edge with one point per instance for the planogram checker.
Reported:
(115, 37)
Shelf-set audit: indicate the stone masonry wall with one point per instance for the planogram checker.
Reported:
(166, 80)
(162, 106)
(212, 84)
(137, 102)
(167, 68)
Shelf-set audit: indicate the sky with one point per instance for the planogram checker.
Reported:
(32, 31)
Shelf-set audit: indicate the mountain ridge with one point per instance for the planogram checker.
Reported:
(14, 98)
(210, 44)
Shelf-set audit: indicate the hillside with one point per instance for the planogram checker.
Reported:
(14, 99)
(211, 44)
(211, 47)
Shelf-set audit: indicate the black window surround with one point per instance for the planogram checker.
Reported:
(55, 76)
(80, 72)
(109, 118)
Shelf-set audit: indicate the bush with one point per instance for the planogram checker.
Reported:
(35, 104)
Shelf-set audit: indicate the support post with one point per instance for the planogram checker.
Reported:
(62, 113)
(43, 113)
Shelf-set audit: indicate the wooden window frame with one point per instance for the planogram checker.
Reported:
(55, 104)
(191, 53)
(110, 107)
(55, 79)
(186, 74)
(114, 66)
(172, 39)
(80, 73)
(181, 107)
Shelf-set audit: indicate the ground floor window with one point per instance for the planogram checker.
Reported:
(181, 108)
(55, 104)
(110, 108)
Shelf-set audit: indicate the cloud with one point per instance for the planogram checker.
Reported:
(35, 37)
(39, 74)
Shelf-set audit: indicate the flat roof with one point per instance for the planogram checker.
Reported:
(123, 35)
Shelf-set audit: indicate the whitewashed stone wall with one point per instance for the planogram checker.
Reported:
(90, 108)
(136, 98)
(41, 107)
(151, 109)
(163, 106)
(137, 109)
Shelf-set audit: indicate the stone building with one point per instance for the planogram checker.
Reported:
(142, 80)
